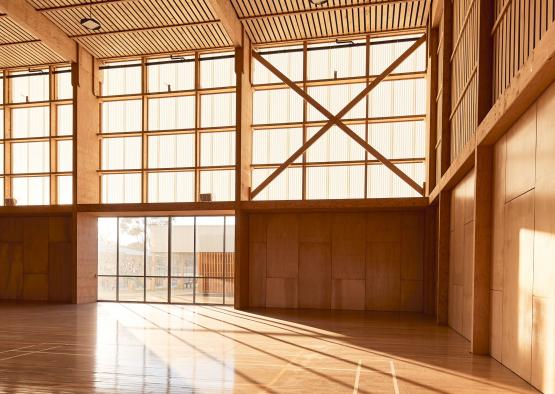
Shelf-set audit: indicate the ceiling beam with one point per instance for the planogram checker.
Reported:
(40, 27)
(224, 11)
(330, 8)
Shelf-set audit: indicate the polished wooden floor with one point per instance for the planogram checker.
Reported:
(133, 348)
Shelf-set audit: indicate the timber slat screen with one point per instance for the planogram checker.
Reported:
(187, 259)
(168, 129)
(391, 119)
(36, 135)
(518, 27)
(464, 81)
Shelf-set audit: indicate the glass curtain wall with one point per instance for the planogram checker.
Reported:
(187, 259)
(36, 136)
(391, 118)
(168, 129)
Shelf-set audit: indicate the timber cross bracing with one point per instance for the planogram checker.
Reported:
(336, 120)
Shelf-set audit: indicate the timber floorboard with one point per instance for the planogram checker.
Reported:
(133, 348)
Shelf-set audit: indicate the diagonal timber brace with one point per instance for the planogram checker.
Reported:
(336, 120)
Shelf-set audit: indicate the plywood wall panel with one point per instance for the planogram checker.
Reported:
(281, 293)
(35, 287)
(520, 159)
(383, 227)
(11, 271)
(348, 246)
(59, 229)
(348, 294)
(498, 215)
(456, 308)
(518, 282)
(35, 245)
(314, 275)
(314, 227)
(412, 252)
(383, 276)
(283, 246)
(496, 324)
(258, 226)
(543, 345)
(411, 295)
(257, 274)
(15, 226)
(59, 276)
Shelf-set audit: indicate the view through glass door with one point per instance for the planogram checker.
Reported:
(178, 259)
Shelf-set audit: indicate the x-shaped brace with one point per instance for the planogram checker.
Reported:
(336, 120)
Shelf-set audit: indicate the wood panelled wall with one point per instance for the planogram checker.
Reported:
(519, 25)
(523, 258)
(461, 256)
(464, 69)
(362, 260)
(36, 258)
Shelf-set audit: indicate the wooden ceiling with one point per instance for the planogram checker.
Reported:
(137, 27)
(287, 20)
(19, 48)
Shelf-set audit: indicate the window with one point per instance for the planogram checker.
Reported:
(38, 137)
(176, 139)
(166, 259)
(391, 118)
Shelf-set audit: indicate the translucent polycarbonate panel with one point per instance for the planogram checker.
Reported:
(334, 98)
(287, 186)
(398, 98)
(217, 149)
(107, 288)
(65, 189)
(335, 182)
(277, 106)
(121, 78)
(274, 146)
(182, 247)
(30, 157)
(229, 236)
(288, 60)
(1, 124)
(171, 187)
(107, 246)
(167, 151)
(2, 190)
(336, 60)
(64, 88)
(217, 110)
(157, 230)
(398, 140)
(121, 188)
(64, 151)
(131, 289)
(121, 153)
(171, 113)
(217, 70)
(29, 86)
(209, 291)
(220, 184)
(156, 290)
(384, 51)
(131, 246)
(30, 122)
(383, 183)
(182, 290)
(1, 163)
(209, 235)
(64, 119)
(121, 116)
(1, 88)
(336, 145)
(31, 190)
(168, 74)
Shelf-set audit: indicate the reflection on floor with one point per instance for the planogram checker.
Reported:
(133, 348)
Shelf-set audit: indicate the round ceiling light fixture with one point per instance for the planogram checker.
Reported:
(318, 2)
(90, 23)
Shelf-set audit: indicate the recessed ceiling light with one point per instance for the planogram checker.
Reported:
(90, 23)
(318, 2)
